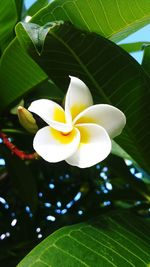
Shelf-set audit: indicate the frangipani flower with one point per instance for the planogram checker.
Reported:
(81, 134)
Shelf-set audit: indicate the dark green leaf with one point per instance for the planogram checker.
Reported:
(112, 19)
(8, 15)
(47, 90)
(68, 51)
(119, 239)
(20, 7)
(19, 74)
(119, 170)
(118, 151)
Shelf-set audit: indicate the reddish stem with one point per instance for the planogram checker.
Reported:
(19, 153)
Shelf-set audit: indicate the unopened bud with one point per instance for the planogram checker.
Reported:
(26, 120)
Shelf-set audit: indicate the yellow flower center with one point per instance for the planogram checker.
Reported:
(63, 138)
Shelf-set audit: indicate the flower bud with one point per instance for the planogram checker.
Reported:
(26, 120)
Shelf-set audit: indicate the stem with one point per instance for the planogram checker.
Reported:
(19, 153)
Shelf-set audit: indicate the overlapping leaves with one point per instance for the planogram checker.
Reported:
(113, 19)
(111, 74)
(8, 15)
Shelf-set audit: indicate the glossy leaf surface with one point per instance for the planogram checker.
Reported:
(115, 239)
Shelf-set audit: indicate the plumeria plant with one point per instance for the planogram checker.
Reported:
(74, 136)
(81, 134)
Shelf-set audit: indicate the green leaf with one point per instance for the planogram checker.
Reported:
(119, 170)
(8, 15)
(134, 47)
(112, 19)
(115, 239)
(118, 151)
(69, 51)
(36, 7)
(47, 90)
(19, 74)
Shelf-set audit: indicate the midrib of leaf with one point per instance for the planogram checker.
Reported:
(83, 66)
(137, 148)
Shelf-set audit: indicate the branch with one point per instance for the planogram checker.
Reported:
(19, 153)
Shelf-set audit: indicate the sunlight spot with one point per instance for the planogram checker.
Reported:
(78, 196)
(2, 200)
(128, 162)
(106, 203)
(138, 175)
(27, 208)
(58, 211)
(47, 204)
(69, 205)
(7, 234)
(2, 162)
(51, 186)
(132, 170)
(50, 218)
(109, 186)
(103, 175)
(6, 206)
(80, 212)
(2, 236)
(63, 211)
(98, 167)
(13, 223)
(67, 176)
(105, 169)
(59, 204)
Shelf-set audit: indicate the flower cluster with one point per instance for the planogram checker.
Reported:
(81, 133)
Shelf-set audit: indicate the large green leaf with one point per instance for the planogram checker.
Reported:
(8, 15)
(68, 51)
(37, 5)
(18, 74)
(113, 19)
(119, 239)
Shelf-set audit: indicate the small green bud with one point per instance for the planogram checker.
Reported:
(26, 120)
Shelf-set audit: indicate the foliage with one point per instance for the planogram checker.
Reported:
(78, 38)
(110, 240)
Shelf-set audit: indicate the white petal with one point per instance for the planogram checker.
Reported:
(52, 113)
(95, 145)
(78, 98)
(53, 146)
(107, 116)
